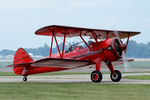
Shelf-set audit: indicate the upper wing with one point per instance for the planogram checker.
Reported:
(76, 31)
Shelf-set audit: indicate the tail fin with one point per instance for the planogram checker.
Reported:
(22, 56)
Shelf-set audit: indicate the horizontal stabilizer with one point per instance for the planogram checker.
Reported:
(20, 64)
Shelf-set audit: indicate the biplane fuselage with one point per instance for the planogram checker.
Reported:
(107, 50)
(79, 53)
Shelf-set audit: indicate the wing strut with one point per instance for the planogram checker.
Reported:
(84, 40)
(107, 35)
(95, 37)
(127, 42)
(60, 53)
(64, 44)
(51, 46)
(57, 46)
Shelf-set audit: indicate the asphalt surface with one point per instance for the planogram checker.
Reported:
(74, 79)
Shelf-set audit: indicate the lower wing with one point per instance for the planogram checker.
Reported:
(121, 61)
(63, 63)
(55, 62)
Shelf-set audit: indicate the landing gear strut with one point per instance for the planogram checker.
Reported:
(25, 78)
(96, 76)
(115, 74)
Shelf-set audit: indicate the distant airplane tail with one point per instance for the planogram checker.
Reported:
(21, 61)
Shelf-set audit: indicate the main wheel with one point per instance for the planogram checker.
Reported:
(116, 76)
(25, 78)
(96, 76)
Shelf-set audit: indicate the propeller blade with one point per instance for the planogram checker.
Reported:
(125, 62)
(122, 47)
(116, 34)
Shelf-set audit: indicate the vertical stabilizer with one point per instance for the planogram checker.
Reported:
(22, 56)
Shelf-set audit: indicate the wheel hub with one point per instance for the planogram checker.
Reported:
(115, 75)
(95, 76)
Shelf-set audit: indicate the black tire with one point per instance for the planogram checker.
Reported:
(96, 76)
(116, 76)
(25, 78)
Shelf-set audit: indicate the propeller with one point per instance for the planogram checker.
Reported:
(120, 48)
(125, 62)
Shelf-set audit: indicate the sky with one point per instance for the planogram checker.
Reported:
(19, 19)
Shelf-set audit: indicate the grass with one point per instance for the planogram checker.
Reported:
(72, 91)
(140, 77)
(7, 74)
(52, 73)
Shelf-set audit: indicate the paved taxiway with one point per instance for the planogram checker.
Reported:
(74, 79)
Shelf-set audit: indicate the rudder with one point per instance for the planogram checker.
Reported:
(21, 56)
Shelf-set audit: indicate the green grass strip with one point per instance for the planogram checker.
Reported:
(140, 77)
(72, 91)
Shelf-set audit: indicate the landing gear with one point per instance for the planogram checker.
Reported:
(25, 78)
(116, 76)
(96, 76)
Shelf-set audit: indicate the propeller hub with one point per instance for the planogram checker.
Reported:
(116, 47)
(122, 46)
(119, 47)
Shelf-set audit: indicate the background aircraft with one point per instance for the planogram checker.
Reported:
(107, 47)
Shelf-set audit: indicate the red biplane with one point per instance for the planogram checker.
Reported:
(107, 47)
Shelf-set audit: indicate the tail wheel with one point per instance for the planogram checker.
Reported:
(25, 78)
(96, 76)
(116, 76)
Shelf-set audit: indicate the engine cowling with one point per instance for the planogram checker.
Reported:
(118, 46)
(115, 48)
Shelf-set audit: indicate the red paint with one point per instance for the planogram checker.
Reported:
(127, 42)
(97, 58)
(57, 46)
(63, 45)
(51, 46)
(96, 52)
